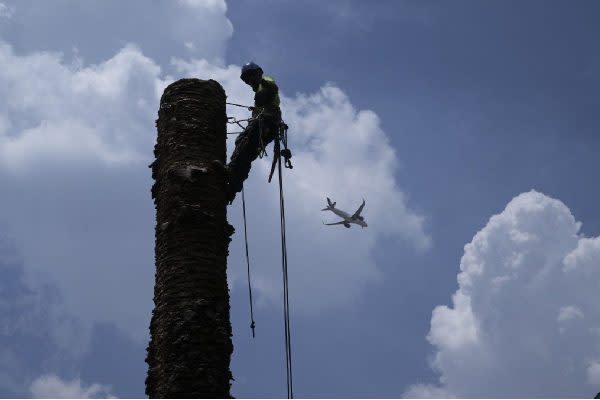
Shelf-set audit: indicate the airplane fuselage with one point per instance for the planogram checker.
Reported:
(347, 217)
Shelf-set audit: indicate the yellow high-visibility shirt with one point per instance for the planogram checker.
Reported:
(266, 98)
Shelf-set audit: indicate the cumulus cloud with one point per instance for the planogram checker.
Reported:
(73, 152)
(328, 133)
(523, 320)
(584, 258)
(51, 386)
(35, 333)
(76, 139)
(57, 113)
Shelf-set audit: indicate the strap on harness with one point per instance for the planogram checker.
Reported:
(263, 151)
(231, 120)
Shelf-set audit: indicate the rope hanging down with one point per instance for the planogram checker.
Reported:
(252, 324)
(286, 303)
(281, 137)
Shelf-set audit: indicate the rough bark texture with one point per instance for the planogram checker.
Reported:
(190, 346)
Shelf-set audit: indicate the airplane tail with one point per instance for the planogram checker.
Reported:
(330, 205)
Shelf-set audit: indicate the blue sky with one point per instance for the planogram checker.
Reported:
(469, 127)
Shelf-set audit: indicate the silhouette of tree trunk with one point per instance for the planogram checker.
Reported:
(190, 346)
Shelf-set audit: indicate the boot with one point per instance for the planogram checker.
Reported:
(220, 168)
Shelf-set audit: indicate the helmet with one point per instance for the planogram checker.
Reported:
(248, 68)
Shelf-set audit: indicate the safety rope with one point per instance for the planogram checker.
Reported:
(252, 324)
(241, 105)
(278, 153)
(286, 303)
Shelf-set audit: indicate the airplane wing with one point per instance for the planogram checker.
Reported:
(357, 213)
(336, 223)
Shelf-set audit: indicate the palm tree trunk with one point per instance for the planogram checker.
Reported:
(190, 346)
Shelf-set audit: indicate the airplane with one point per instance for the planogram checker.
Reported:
(355, 218)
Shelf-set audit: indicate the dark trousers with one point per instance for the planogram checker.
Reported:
(247, 148)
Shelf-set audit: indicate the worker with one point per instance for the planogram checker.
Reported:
(260, 131)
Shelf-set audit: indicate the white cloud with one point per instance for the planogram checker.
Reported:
(75, 146)
(75, 139)
(75, 142)
(204, 26)
(32, 318)
(569, 313)
(73, 153)
(51, 386)
(593, 373)
(584, 258)
(328, 133)
(6, 11)
(55, 113)
(212, 5)
(532, 334)
(454, 329)
(421, 391)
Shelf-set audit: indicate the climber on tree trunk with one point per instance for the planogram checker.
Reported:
(266, 117)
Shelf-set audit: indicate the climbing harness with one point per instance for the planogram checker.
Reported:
(232, 120)
(278, 153)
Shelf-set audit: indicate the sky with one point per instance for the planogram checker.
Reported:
(470, 129)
